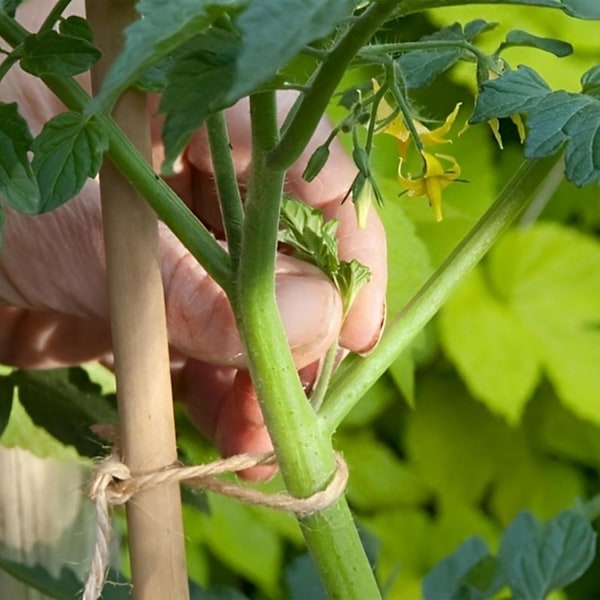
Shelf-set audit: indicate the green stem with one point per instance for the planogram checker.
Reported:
(359, 374)
(230, 201)
(303, 450)
(309, 107)
(408, 7)
(54, 15)
(123, 154)
(327, 367)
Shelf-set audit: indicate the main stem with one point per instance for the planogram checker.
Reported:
(304, 452)
(139, 332)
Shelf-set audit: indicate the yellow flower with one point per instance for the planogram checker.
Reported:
(495, 126)
(434, 180)
(397, 126)
(363, 203)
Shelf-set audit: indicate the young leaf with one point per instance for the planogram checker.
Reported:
(582, 9)
(516, 38)
(538, 559)
(50, 54)
(197, 82)
(349, 278)
(18, 184)
(273, 31)
(163, 28)
(68, 151)
(515, 92)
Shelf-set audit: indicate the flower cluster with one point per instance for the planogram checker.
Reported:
(434, 177)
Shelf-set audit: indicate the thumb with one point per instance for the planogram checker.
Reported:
(201, 322)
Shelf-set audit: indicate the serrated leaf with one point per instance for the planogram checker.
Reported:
(50, 54)
(273, 32)
(69, 149)
(540, 558)
(66, 404)
(18, 184)
(163, 28)
(497, 364)
(543, 283)
(446, 577)
(196, 85)
(590, 82)
(513, 93)
(571, 119)
(516, 38)
(76, 27)
(349, 278)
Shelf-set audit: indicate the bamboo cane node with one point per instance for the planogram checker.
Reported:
(113, 484)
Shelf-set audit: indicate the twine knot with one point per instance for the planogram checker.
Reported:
(114, 485)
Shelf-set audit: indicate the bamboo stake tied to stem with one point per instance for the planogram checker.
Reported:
(139, 332)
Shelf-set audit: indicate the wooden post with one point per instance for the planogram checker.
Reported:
(139, 333)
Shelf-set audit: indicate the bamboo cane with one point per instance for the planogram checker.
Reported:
(139, 333)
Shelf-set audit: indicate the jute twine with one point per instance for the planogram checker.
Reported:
(113, 485)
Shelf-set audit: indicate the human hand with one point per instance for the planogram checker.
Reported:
(53, 297)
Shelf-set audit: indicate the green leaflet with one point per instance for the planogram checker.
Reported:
(69, 149)
(516, 37)
(273, 31)
(196, 85)
(554, 118)
(421, 67)
(51, 54)
(18, 184)
(536, 301)
(165, 26)
(533, 560)
(538, 558)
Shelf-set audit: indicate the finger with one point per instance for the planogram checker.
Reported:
(223, 406)
(54, 263)
(41, 340)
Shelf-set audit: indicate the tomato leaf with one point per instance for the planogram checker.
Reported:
(18, 184)
(273, 31)
(421, 67)
(69, 149)
(573, 120)
(51, 54)
(515, 92)
(534, 302)
(196, 86)
(76, 27)
(538, 558)
(163, 28)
